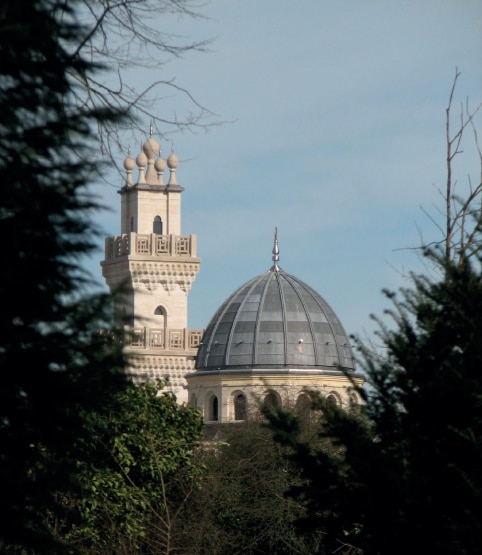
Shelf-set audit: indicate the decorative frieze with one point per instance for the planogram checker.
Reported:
(171, 370)
(151, 275)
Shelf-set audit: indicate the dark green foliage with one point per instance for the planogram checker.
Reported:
(54, 358)
(407, 476)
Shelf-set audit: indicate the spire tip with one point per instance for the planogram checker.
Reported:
(275, 251)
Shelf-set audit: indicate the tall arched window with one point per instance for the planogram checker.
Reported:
(214, 414)
(303, 404)
(157, 333)
(240, 407)
(161, 316)
(332, 400)
(157, 225)
(354, 404)
(132, 223)
(272, 402)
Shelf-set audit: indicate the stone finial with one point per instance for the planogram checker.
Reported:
(141, 162)
(129, 165)
(150, 149)
(172, 164)
(160, 166)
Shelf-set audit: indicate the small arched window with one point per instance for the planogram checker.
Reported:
(240, 407)
(132, 223)
(157, 225)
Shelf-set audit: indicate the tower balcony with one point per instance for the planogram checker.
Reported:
(150, 245)
(137, 338)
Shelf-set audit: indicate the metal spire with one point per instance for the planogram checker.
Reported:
(275, 252)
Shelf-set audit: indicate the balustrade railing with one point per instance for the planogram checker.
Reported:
(162, 339)
(150, 245)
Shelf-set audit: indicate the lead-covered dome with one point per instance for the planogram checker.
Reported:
(275, 320)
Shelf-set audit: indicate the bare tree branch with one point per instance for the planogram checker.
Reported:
(121, 36)
(459, 214)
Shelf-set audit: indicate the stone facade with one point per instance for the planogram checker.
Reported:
(231, 395)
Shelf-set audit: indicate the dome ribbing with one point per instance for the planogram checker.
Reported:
(275, 320)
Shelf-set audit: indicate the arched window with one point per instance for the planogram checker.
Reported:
(240, 407)
(303, 404)
(332, 400)
(161, 320)
(157, 225)
(214, 414)
(354, 404)
(132, 223)
(271, 402)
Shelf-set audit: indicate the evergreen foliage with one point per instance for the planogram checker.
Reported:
(56, 365)
(406, 474)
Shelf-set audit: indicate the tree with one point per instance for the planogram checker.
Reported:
(240, 506)
(55, 360)
(406, 477)
(122, 37)
(143, 451)
(403, 475)
(461, 211)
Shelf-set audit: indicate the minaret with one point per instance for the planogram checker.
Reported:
(157, 267)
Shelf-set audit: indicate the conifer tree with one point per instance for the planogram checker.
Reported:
(55, 365)
(406, 477)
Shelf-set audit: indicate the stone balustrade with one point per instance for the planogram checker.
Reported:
(150, 245)
(162, 339)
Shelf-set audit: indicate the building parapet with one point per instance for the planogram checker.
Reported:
(162, 339)
(150, 245)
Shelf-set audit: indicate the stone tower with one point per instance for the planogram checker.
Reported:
(156, 266)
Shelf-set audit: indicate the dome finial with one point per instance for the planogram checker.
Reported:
(275, 252)
(151, 129)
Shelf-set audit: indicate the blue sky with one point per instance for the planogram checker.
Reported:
(334, 133)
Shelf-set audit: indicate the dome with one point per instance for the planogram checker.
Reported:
(275, 320)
